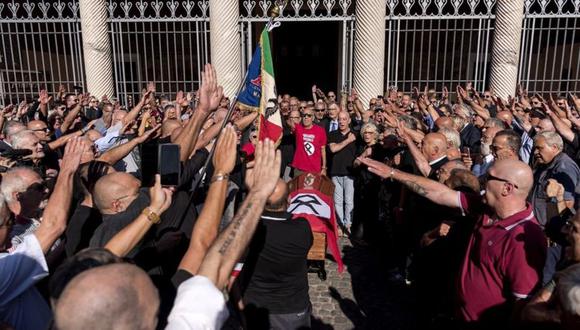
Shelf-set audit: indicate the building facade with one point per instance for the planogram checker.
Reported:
(401, 43)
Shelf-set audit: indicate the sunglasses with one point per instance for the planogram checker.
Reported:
(45, 129)
(39, 187)
(319, 110)
(307, 115)
(490, 177)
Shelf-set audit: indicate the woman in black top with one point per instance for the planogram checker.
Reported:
(365, 219)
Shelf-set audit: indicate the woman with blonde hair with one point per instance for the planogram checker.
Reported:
(366, 205)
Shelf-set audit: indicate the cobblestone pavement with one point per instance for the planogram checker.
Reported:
(360, 297)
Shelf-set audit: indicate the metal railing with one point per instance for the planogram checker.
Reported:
(445, 43)
(428, 42)
(159, 41)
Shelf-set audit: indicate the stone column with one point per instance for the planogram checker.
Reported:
(97, 48)
(506, 47)
(369, 49)
(225, 43)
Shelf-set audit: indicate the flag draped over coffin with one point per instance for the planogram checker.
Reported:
(318, 209)
(260, 88)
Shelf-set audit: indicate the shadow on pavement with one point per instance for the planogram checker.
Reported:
(378, 303)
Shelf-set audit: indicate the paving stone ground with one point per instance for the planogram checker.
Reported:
(360, 297)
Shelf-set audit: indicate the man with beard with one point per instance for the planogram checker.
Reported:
(486, 160)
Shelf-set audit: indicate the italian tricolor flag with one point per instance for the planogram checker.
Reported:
(270, 121)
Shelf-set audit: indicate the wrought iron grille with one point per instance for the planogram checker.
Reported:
(162, 41)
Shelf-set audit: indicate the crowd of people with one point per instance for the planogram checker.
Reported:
(469, 200)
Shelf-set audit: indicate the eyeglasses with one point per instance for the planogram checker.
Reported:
(307, 115)
(490, 177)
(494, 147)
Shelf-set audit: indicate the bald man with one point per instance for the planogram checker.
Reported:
(434, 148)
(506, 117)
(276, 295)
(124, 298)
(444, 122)
(507, 248)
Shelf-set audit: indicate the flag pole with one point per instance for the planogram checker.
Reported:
(272, 24)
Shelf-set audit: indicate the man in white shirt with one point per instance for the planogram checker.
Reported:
(20, 303)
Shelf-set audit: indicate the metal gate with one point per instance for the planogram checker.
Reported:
(428, 42)
(448, 42)
(41, 48)
(162, 41)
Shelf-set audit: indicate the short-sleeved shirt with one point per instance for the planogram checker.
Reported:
(21, 305)
(309, 144)
(564, 170)
(503, 262)
(341, 162)
(198, 305)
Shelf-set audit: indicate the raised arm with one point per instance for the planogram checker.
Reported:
(132, 115)
(210, 95)
(229, 246)
(113, 155)
(559, 124)
(72, 115)
(43, 100)
(433, 190)
(125, 240)
(53, 145)
(55, 214)
(207, 224)
(418, 157)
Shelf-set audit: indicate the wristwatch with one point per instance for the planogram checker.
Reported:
(151, 216)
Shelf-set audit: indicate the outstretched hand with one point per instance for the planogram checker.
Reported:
(43, 97)
(73, 152)
(263, 173)
(376, 167)
(210, 94)
(224, 158)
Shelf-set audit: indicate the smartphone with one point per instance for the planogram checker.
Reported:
(168, 164)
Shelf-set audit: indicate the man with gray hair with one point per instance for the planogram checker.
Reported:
(26, 197)
(10, 128)
(470, 135)
(552, 163)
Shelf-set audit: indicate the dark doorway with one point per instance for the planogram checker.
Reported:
(306, 54)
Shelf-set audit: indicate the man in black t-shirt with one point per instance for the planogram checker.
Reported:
(275, 270)
(341, 143)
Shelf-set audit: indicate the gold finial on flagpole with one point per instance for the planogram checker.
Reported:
(277, 9)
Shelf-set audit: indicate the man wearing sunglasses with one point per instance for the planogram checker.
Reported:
(507, 249)
(26, 197)
(310, 154)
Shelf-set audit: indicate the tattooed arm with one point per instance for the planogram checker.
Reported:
(261, 178)
(433, 190)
